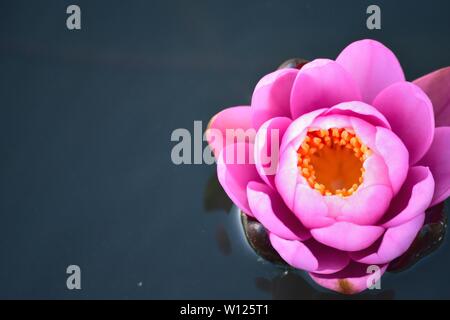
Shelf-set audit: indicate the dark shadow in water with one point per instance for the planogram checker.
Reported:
(223, 240)
(215, 197)
(216, 200)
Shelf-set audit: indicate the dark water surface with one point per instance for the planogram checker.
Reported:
(86, 116)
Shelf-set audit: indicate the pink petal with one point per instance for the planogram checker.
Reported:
(332, 121)
(366, 206)
(372, 65)
(271, 97)
(330, 260)
(267, 206)
(375, 172)
(436, 85)
(288, 176)
(353, 279)
(395, 156)
(267, 147)
(410, 113)
(310, 207)
(363, 129)
(296, 132)
(231, 118)
(395, 242)
(413, 199)
(310, 255)
(438, 159)
(319, 84)
(307, 204)
(362, 111)
(234, 176)
(347, 236)
(294, 253)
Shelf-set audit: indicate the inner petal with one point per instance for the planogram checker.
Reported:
(332, 161)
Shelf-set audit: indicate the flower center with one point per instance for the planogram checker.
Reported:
(332, 161)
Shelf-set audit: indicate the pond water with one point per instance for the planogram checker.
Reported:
(85, 124)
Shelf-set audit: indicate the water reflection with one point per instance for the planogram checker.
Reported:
(290, 286)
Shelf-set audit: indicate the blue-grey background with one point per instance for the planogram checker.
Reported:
(85, 122)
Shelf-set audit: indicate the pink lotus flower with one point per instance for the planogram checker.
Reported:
(362, 155)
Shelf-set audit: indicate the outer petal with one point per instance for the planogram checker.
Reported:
(353, 279)
(438, 159)
(413, 199)
(395, 155)
(310, 255)
(372, 65)
(267, 147)
(436, 85)
(347, 236)
(267, 206)
(231, 118)
(234, 176)
(319, 84)
(271, 97)
(395, 242)
(362, 111)
(410, 113)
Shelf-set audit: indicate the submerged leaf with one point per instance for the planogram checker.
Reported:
(296, 63)
(258, 240)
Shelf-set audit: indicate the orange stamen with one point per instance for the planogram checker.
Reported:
(332, 161)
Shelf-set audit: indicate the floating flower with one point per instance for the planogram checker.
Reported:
(345, 158)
